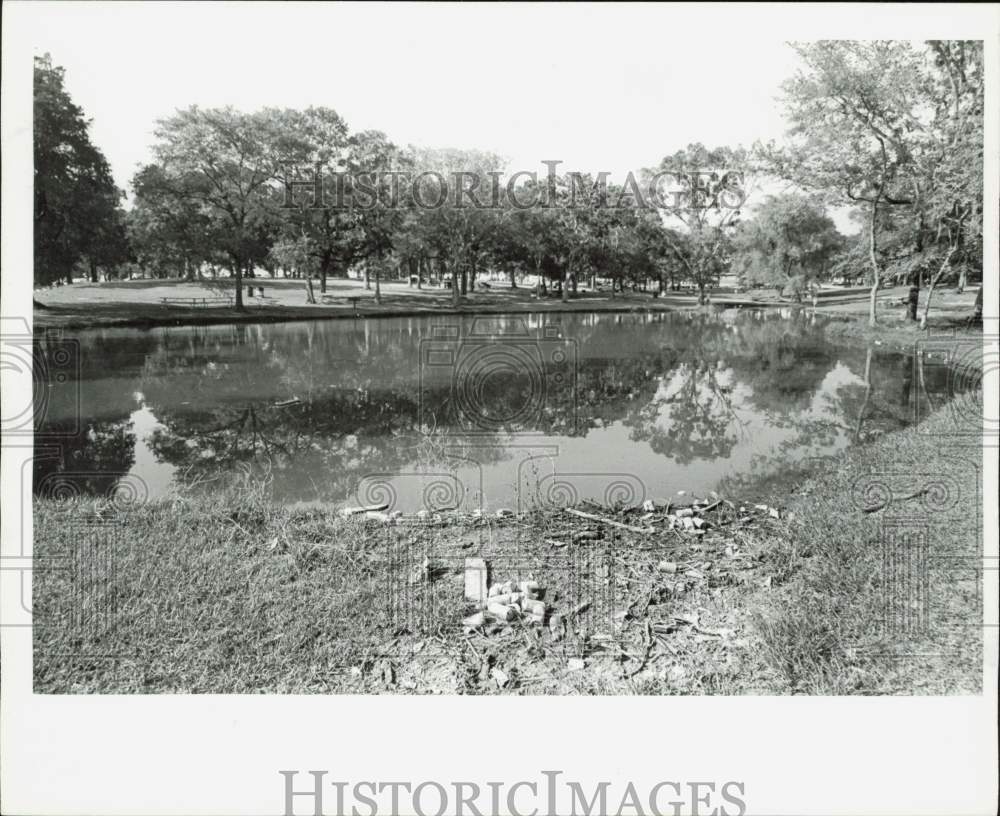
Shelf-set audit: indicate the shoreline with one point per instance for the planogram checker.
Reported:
(52, 318)
(141, 305)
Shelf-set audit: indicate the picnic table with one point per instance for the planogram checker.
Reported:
(352, 299)
(221, 300)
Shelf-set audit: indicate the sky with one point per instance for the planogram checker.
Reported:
(597, 87)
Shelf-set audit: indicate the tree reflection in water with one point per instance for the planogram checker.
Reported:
(322, 406)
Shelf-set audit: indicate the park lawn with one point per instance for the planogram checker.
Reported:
(229, 593)
(139, 303)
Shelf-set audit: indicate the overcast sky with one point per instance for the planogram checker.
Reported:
(601, 88)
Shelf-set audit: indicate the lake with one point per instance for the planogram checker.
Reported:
(465, 412)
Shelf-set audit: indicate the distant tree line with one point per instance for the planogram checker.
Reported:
(892, 128)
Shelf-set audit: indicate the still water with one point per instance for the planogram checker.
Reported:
(460, 412)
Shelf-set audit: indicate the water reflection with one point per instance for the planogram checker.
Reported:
(439, 412)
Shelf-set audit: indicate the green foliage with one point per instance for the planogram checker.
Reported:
(790, 240)
(77, 215)
(897, 129)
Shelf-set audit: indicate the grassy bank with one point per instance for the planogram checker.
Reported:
(882, 591)
(230, 593)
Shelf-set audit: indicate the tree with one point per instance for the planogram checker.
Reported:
(169, 232)
(446, 207)
(225, 161)
(76, 203)
(317, 150)
(377, 209)
(855, 112)
(954, 145)
(894, 127)
(790, 241)
(703, 212)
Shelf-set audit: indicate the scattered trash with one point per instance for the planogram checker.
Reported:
(531, 590)
(500, 677)
(501, 611)
(507, 600)
(521, 616)
(556, 627)
(535, 608)
(476, 580)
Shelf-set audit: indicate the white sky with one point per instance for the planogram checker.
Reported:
(599, 87)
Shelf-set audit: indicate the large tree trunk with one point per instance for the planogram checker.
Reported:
(564, 288)
(876, 275)
(378, 280)
(93, 272)
(238, 272)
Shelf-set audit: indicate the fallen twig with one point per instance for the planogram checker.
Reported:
(645, 657)
(611, 522)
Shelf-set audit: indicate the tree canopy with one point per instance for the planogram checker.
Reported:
(77, 212)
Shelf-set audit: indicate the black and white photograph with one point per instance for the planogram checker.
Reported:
(424, 351)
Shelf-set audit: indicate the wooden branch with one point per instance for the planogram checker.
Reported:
(611, 522)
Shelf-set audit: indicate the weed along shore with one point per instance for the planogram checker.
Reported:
(734, 594)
